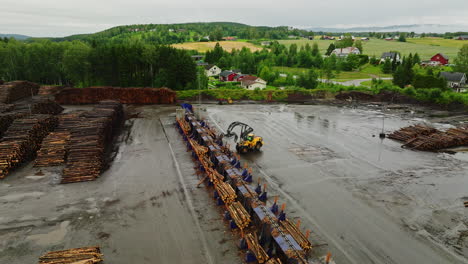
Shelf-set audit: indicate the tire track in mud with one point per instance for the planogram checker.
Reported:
(188, 197)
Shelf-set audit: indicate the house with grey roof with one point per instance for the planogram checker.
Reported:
(344, 52)
(455, 80)
(391, 56)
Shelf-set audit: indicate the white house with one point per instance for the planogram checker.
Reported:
(253, 82)
(391, 56)
(212, 70)
(455, 80)
(344, 52)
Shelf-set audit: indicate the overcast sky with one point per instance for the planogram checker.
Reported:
(65, 17)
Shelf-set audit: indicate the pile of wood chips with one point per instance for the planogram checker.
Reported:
(22, 140)
(85, 255)
(129, 95)
(12, 91)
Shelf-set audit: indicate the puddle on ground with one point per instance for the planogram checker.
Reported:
(52, 237)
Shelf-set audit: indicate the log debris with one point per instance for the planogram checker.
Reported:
(85, 255)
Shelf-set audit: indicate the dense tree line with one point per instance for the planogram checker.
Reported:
(178, 33)
(78, 63)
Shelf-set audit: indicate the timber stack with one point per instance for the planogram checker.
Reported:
(88, 141)
(85, 255)
(12, 91)
(266, 234)
(129, 95)
(56, 145)
(49, 90)
(430, 139)
(411, 132)
(22, 140)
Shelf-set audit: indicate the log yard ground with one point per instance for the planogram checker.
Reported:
(365, 199)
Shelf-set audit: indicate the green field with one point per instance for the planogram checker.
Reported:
(425, 47)
(366, 72)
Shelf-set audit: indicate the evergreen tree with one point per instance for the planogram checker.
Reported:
(315, 49)
(461, 61)
(330, 49)
(387, 66)
(358, 45)
(308, 80)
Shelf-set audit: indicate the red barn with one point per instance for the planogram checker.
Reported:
(441, 58)
(227, 76)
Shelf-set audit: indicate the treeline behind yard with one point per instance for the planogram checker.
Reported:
(82, 64)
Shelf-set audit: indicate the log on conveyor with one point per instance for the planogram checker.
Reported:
(13, 91)
(296, 234)
(83, 255)
(22, 140)
(256, 248)
(226, 192)
(274, 261)
(238, 213)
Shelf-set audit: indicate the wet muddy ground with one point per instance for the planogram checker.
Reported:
(369, 199)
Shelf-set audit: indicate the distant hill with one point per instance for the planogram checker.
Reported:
(187, 32)
(418, 28)
(16, 36)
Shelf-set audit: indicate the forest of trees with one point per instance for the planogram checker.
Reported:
(130, 63)
(179, 33)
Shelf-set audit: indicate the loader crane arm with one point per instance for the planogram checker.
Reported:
(247, 140)
(245, 131)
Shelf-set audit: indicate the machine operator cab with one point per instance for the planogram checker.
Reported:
(250, 137)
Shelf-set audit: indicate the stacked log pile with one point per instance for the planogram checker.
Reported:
(85, 255)
(6, 107)
(55, 146)
(12, 91)
(86, 154)
(48, 90)
(130, 95)
(411, 132)
(22, 140)
(53, 150)
(430, 139)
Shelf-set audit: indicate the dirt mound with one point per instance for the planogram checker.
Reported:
(355, 96)
(130, 95)
(397, 98)
(298, 97)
